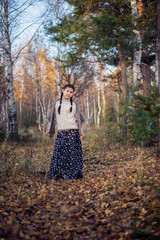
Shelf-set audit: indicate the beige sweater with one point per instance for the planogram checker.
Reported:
(51, 119)
(66, 119)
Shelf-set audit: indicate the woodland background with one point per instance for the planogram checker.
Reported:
(110, 51)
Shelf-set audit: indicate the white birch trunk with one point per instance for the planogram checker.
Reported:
(38, 101)
(156, 67)
(59, 79)
(138, 41)
(104, 102)
(58, 52)
(4, 76)
(92, 111)
(95, 111)
(158, 48)
(43, 106)
(99, 106)
(87, 100)
(13, 127)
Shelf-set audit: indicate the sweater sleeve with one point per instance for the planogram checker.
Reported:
(49, 118)
(82, 118)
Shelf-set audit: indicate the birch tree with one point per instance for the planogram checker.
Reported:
(11, 12)
(45, 78)
(138, 44)
(58, 8)
(4, 80)
(99, 105)
(13, 126)
(158, 45)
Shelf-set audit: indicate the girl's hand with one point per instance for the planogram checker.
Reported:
(82, 136)
(47, 134)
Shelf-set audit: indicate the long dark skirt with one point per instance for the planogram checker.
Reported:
(67, 159)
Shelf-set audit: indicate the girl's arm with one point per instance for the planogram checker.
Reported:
(49, 120)
(47, 129)
(82, 120)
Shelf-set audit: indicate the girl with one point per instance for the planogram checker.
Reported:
(67, 160)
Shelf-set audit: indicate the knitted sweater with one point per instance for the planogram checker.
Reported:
(66, 119)
(52, 121)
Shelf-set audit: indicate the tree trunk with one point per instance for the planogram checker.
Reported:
(138, 41)
(4, 76)
(44, 109)
(99, 106)
(104, 103)
(124, 88)
(59, 79)
(58, 50)
(146, 73)
(39, 113)
(20, 104)
(94, 110)
(13, 127)
(158, 12)
(156, 66)
(91, 110)
(123, 73)
(88, 108)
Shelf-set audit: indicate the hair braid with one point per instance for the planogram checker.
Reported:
(59, 108)
(71, 100)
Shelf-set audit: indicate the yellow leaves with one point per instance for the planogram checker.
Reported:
(140, 193)
(4, 146)
(48, 206)
(142, 213)
(102, 195)
(42, 196)
(2, 199)
(124, 205)
(108, 212)
(111, 198)
(104, 205)
(76, 203)
(113, 192)
(154, 202)
(64, 209)
(121, 238)
(10, 220)
(43, 192)
(104, 183)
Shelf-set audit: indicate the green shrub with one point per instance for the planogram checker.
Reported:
(143, 116)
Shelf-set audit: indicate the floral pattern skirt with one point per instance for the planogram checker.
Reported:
(67, 158)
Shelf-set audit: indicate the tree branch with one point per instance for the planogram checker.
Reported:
(31, 37)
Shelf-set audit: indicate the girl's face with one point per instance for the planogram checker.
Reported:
(67, 92)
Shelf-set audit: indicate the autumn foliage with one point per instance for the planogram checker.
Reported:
(118, 198)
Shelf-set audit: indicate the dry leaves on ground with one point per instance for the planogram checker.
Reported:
(118, 198)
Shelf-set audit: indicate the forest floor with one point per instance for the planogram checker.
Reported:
(118, 198)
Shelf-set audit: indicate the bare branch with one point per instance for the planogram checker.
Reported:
(20, 12)
(31, 37)
(23, 4)
(25, 30)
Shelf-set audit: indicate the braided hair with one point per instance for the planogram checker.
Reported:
(71, 100)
